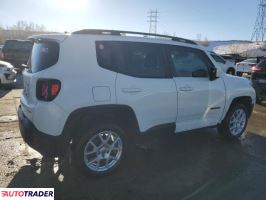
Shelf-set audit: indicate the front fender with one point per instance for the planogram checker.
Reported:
(237, 87)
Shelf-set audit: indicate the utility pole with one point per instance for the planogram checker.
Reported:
(153, 20)
(260, 24)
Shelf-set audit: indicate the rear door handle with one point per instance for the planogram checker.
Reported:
(131, 90)
(186, 88)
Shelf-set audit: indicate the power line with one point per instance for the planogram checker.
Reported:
(153, 20)
(260, 24)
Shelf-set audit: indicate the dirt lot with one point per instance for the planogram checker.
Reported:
(191, 165)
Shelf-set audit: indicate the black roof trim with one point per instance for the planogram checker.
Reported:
(116, 32)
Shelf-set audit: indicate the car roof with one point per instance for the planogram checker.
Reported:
(124, 33)
(97, 34)
(250, 59)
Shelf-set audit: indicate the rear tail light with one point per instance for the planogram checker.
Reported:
(252, 65)
(47, 89)
(256, 68)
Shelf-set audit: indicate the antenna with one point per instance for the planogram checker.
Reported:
(260, 24)
(153, 20)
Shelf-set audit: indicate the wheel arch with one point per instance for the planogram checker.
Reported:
(245, 100)
(122, 115)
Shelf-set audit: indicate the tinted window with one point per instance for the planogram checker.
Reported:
(136, 59)
(262, 63)
(44, 55)
(18, 45)
(218, 59)
(189, 62)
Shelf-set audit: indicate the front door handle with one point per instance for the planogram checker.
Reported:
(131, 90)
(186, 88)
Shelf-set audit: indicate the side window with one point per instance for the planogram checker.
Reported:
(143, 60)
(189, 62)
(218, 59)
(109, 55)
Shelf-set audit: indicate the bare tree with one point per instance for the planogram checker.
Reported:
(20, 30)
(205, 42)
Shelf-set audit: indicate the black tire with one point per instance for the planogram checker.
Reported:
(231, 71)
(259, 100)
(239, 73)
(79, 147)
(224, 128)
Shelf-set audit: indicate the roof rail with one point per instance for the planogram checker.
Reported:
(116, 32)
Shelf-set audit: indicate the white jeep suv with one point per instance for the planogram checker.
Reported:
(92, 90)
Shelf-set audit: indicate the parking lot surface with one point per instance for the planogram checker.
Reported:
(192, 165)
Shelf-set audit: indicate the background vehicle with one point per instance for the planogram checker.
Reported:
(17, 52)
(235, 58)
(1, 53)
(245, 66)
(123, 86)
(258, 78)
(226, 65)
(7, 73)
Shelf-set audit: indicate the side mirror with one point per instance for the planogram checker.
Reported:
(213, 73)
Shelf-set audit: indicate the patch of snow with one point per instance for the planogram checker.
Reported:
(244, 48)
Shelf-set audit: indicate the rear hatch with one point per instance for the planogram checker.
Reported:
(44, 55)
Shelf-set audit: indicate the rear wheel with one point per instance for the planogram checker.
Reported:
(231, 71)
(100, 150)
(259, 99)
(235, 122)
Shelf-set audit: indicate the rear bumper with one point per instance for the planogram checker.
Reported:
(51, 146)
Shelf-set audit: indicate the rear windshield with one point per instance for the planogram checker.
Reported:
(43, 55)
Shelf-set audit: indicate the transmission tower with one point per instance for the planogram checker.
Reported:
(260, 24)
(153, 20)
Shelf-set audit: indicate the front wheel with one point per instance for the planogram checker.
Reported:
(239, 74)
(100, 150)
(235, 122)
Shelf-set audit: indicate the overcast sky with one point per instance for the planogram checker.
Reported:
(216, 20)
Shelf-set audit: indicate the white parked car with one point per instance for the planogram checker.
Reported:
(7, 73)
(92, 90)
(245, 66)
(226, 65)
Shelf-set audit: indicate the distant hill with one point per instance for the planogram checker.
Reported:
(244, 48)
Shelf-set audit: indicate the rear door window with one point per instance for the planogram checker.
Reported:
(43, 56)
(137, 59)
